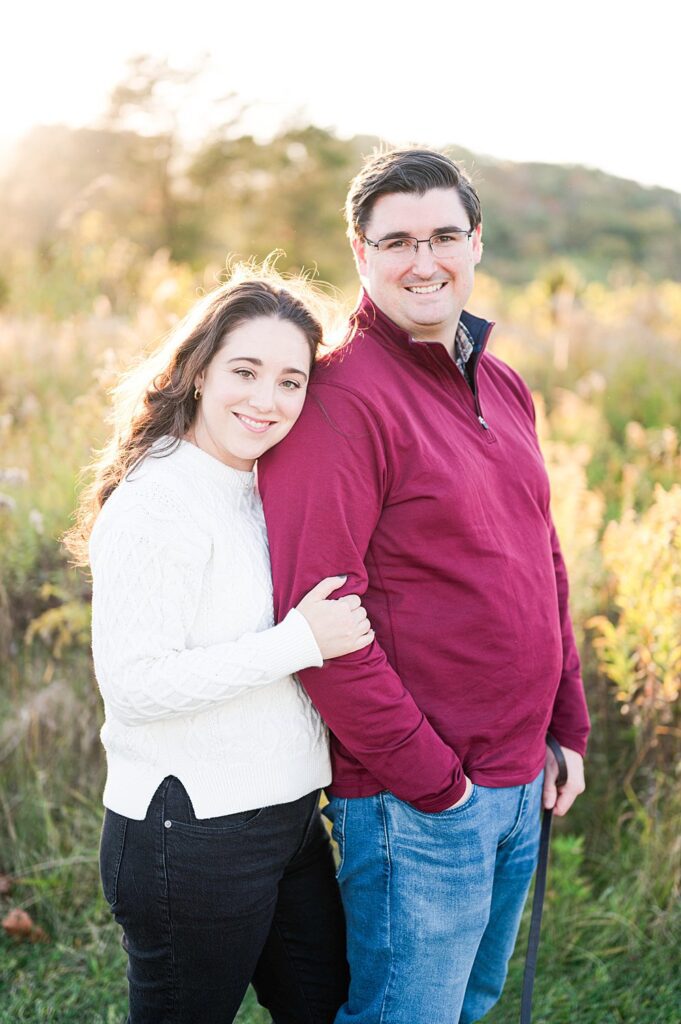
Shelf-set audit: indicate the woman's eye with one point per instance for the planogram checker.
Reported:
(290, 385)
(246, 374)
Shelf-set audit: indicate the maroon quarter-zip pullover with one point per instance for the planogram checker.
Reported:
(434, 499)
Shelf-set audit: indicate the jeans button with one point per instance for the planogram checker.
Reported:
(167, 824)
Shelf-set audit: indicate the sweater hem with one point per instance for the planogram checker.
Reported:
(215, 790)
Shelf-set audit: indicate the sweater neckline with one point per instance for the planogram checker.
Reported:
(209, 466)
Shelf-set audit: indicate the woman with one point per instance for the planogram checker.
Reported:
(213, 856)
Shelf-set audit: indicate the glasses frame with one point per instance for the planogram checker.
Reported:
(416, 242)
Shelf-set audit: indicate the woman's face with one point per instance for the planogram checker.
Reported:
(252, 391)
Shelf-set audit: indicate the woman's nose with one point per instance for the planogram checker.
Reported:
(263, 397)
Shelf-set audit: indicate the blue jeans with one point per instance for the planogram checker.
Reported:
(433, 902)
(209, 905)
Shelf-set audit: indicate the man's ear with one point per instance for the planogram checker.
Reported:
(476, 244)
(359, 249)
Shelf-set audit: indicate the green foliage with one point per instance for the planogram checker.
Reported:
(63, 626)
(121, 191)
(100, 265)
(598, 222)
(641, 650)
(68, 983)
(604, 956)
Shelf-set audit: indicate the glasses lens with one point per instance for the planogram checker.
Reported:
(447, 245)
(396, 248)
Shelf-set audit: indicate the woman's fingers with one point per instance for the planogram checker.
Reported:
(365, 640)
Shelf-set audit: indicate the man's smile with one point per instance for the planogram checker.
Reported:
(425, 289)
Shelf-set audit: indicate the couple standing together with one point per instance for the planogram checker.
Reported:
(403, 472)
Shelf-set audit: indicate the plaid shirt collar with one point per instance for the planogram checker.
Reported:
(463, 348)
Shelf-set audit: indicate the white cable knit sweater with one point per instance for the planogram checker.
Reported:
(195, 677)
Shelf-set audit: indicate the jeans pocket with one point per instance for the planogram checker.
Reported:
(178, 814)
(449, 812)
(467, 802)
(207, 827)
(335, 811)
(111, 849)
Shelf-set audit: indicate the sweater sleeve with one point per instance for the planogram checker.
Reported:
(147, 581)
(326, 484)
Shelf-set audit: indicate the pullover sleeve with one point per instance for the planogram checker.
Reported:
(326, 484)
(147, 580)
(570, 718)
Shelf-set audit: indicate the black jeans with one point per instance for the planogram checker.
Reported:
(209, 905)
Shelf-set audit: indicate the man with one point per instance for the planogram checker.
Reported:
(415, 469)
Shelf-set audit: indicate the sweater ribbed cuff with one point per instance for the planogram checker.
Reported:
(291, 645)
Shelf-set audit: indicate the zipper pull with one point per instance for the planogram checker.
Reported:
(483, 423)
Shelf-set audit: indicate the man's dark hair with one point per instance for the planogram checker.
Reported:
(409, 171)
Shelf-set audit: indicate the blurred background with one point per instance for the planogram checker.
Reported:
(139, 150)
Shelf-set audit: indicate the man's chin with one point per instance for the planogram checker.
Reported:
(429, 314)
(429, 321)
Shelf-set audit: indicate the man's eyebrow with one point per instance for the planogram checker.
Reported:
(259, 362)
(437, 231)
(449, 227)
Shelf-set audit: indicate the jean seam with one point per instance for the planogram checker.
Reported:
(341, 833)
(294, 972)
(517, 824)
(119, 860)
(167, 914)
(308, 827)
(391, 972)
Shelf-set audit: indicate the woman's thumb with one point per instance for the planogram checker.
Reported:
(326, 587)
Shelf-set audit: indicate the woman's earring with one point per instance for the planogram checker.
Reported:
(197, 394)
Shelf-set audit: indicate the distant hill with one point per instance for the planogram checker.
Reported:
(67, 194)
(536, 211)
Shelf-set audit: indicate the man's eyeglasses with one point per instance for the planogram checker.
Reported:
(444, 244)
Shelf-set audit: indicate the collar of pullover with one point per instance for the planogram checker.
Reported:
(368, 316)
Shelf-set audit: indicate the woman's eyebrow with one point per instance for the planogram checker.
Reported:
(259, 362)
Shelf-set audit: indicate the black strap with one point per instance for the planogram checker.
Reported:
(539, 889)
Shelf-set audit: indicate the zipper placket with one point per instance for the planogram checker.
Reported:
(478, 410)
(446, 377)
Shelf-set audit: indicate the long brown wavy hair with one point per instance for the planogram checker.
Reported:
(156, 398)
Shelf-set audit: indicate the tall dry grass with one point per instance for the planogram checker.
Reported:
(605, 364)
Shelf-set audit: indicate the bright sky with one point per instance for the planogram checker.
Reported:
(589, 81)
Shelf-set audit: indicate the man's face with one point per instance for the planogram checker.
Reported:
(421, 293)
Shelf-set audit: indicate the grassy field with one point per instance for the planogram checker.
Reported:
(610, 941)
(598, 963)
(609, 416)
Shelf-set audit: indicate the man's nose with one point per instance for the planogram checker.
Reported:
(424, 261)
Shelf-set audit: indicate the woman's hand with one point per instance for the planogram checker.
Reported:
(340, 626)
